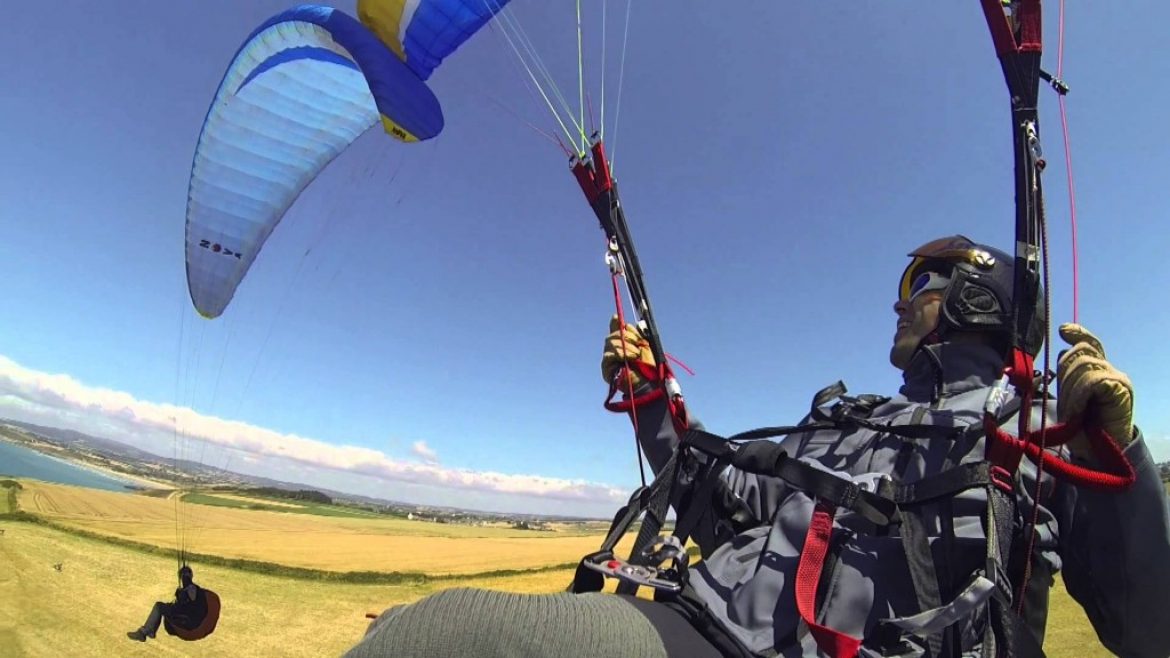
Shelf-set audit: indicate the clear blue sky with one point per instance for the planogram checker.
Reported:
(776, 161)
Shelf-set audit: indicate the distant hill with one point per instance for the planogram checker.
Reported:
(72, 439)
(121, 452)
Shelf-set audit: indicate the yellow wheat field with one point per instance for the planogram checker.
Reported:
(103, 590)
(303, 540)
(65, 595)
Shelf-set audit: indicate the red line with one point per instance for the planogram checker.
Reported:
(1072, 214)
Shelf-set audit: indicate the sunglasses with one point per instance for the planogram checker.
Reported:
(926, 282)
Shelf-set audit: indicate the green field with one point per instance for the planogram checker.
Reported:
(8, 489)
(288, 507)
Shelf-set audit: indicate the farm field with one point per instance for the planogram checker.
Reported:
(264, 615)
(103, 590)
(330, 543)
(244, 502)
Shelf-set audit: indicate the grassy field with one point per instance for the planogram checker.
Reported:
(8, 489)
(244, 502)
(303, 540)
(103, 590)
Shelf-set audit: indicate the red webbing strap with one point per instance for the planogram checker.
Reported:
(1005, 455)
(585, 179)
(1027, 18)
(808, 574)
(1020, 372)
(594, 180)
(604, 180)
(678, 414)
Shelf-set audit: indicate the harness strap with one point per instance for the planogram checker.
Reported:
(808, 574)
(923, 574)
(933, 622)
(941, 485)
(656, 506)
(587, 580)
(999, 640)
(1017, 640)
(701, 501)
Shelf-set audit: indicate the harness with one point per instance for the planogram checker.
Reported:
(194, 620)
(693, 481)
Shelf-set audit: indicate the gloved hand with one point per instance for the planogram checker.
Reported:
(1086, 382)
(625, 345)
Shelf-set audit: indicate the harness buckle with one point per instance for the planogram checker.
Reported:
(997, 396)
(613, 258)
(871, 482)
(669, 579)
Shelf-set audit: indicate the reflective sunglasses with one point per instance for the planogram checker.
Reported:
(926, 282)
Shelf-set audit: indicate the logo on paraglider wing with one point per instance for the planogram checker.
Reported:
(218, 248)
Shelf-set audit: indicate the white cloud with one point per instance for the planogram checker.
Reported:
(428, 455)
(59, 399)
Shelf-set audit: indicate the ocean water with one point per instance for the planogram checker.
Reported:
(18, 461)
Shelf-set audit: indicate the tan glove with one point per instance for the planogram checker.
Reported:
(1086, 382)
(624, 345)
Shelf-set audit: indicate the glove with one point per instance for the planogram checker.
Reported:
(1088, 385)
(625, 345)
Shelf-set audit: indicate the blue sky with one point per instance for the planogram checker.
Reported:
(438, 309)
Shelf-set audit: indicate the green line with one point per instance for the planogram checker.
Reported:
(539, 88)
(604, 23)
(580, 78)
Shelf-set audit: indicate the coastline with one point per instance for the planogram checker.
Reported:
(67, 458)
(136, 480)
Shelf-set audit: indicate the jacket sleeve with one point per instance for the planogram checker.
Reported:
(656, 433)
(1116, 555)
(744, 495)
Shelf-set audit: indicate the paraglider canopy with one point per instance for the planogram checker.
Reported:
(304, 86)
(301, 88)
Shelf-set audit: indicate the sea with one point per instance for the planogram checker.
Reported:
(21, 462)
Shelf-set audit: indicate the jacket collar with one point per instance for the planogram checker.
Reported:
(950, 368)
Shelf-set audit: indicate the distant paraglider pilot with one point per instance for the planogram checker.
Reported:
(191, 616)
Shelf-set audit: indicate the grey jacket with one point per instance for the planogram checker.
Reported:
(1113, 548)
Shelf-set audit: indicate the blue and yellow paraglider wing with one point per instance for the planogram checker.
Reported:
(301, 89)
(423, 32)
